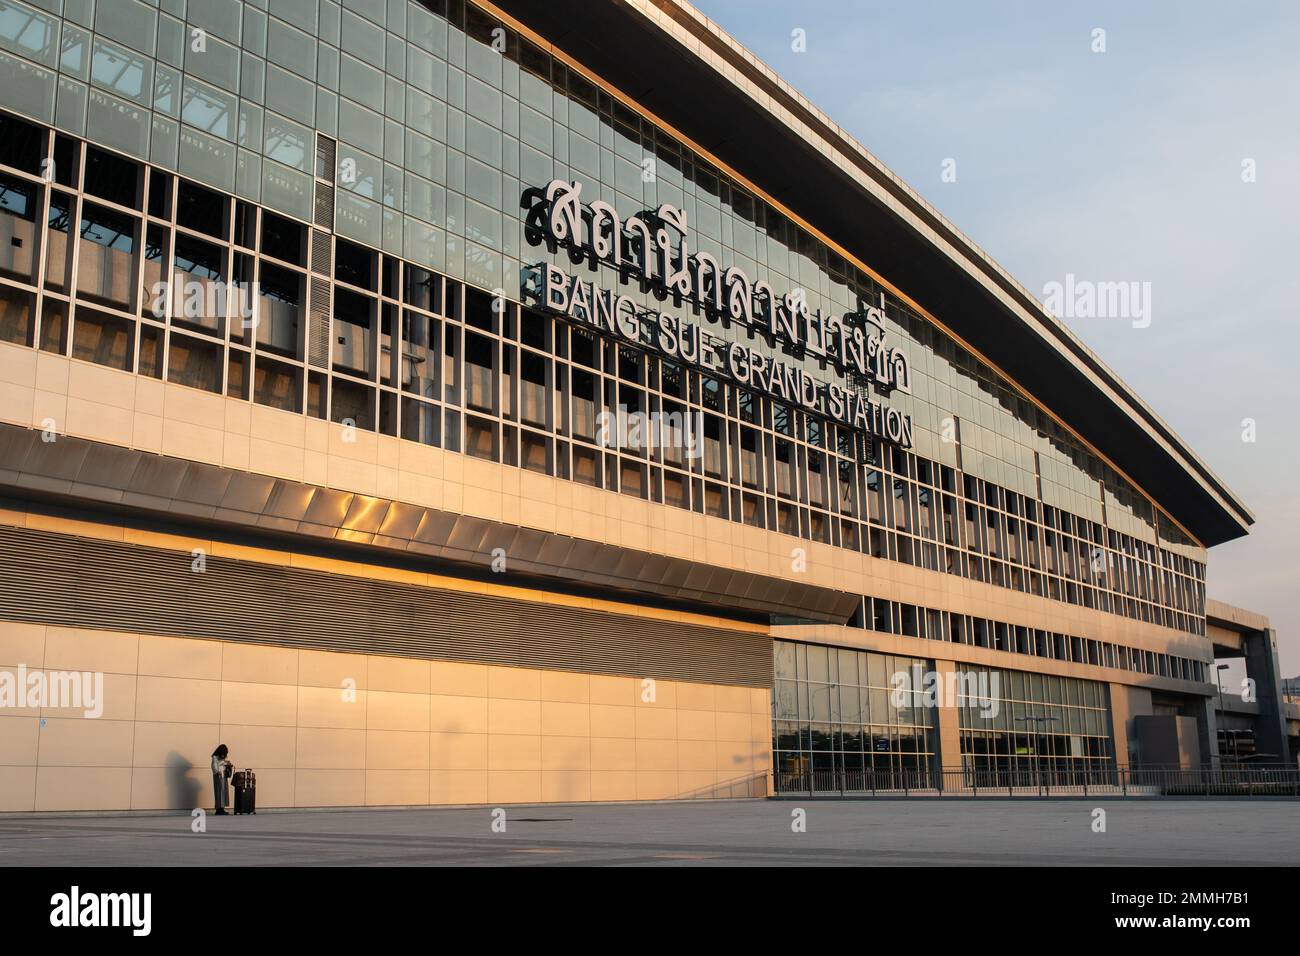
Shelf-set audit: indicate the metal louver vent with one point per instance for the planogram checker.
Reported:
(326, 149)
(318, 349)
(320, 252)
(52, 578)
(323, 213)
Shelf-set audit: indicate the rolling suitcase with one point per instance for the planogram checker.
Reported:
(245, 782)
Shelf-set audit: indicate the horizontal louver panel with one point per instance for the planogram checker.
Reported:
(51, 578)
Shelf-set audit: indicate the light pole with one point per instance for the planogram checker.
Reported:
(1036, 720)
(1218, 675)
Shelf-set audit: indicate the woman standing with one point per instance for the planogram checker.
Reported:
(221, 767)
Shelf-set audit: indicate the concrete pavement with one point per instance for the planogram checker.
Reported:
(748, 832)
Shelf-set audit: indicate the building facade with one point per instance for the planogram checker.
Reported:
(449, 402)
(1258, 720)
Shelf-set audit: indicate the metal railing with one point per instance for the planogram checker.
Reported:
(1047, 782)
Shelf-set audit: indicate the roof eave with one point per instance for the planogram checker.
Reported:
(684, 70)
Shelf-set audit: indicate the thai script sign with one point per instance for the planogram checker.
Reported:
(652, 247)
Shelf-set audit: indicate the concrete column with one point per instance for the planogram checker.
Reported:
(948, 721)
(1119, 722)
(1262, 667)
(1127, 702)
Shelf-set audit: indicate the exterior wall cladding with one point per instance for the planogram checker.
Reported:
(373, 541)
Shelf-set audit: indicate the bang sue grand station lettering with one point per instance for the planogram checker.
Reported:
(652, 247)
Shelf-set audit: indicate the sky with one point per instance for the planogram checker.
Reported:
(1170, 157)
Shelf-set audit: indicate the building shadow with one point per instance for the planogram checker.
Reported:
(182, 789)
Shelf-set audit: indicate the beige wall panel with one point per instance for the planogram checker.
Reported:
(397, 750)
(700, 784)
(566, 753)
(397, 674)
(259, 664)
(511, 716)
(320, 749)
(18, 403)
(146, 433)
(514, 682)
(328, 788)
(565, 720)
(613, 785)
(613, 754)
(734, 700)
(116, 698)
(331, 707)
(276, 787)
(81, 788)
(18, 789)
(22, 644)
(733, 726)
(458, 680)
(511, 735)
(273, 458)
(177, 746)
(617, 691)
(458, 751)
(392, 710)
(697, 756)
(656, 755)
(458, 786)
(179, 657)
(514, 752)
(397, 787)
(178, 699)
(565, 688)
(18, 740)
(459, 715)
(564, 786)
(265, 705)
(698, 724)
(100, 384)
(164, 788)
(608, 720)
(332, 670)
(697, 697)
(236, 453)
(18, 365)
(99, 422)
(734, 758)
(657, 693)
(77, 742)
(76, 649)
(514, 786)
(655, 784)
(652, 723)
(260, 748)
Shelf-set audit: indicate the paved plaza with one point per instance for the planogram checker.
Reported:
(748, 832)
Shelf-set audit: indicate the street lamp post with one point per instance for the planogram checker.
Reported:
(1219, 669)
(1036, 720)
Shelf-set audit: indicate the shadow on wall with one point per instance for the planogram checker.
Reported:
(182, 789)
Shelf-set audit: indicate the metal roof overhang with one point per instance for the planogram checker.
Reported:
(743, 114)
(93, 478)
